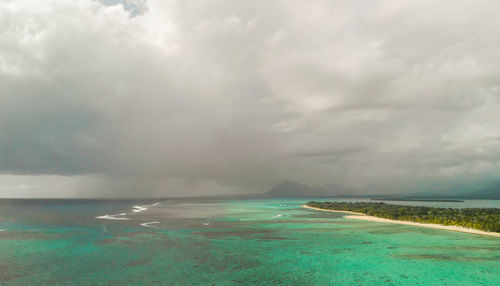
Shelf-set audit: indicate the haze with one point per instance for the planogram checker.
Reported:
(179, 98)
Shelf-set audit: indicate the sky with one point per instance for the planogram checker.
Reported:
(128, 98)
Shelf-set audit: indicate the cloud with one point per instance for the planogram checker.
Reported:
(178, 97)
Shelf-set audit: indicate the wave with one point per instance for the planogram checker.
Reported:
(138, 209)
(114, 217)
(135, 209)
(278, 215)
(149, 224)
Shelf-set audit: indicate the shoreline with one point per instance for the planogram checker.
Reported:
(333, 211)
(362, 216)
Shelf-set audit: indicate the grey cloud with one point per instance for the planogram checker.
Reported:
(329, 153)
(170, 97)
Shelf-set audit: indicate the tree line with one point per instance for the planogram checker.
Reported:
(487, 219)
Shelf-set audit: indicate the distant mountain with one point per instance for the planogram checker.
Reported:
(290, 189)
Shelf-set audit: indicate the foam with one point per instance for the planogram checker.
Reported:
(138, 209)
(135, 209)
(114, 217)
(149, 224)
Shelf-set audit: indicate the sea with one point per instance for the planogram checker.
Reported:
(231, 242)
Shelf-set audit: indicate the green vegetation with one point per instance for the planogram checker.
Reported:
(487, 219)
(418, 200)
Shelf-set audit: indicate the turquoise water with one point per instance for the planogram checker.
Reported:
(255, 242)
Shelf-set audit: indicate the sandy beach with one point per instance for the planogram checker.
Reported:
(362, 216)
(333, 211)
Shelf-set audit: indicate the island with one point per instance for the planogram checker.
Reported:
(472, 220)
(418, 200)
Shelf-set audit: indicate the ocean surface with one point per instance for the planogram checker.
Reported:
(227, 242)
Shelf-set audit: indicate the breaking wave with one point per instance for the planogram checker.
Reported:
(138, 209)
(149, 224)
(121, 216)
(114, 217)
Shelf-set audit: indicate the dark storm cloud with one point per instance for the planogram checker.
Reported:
(196, 97)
